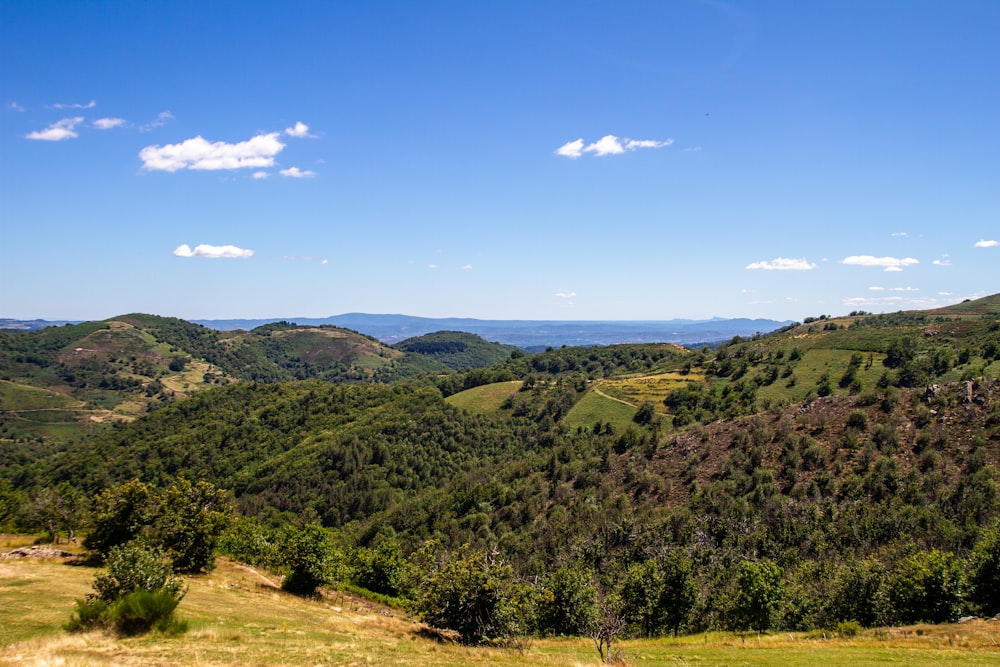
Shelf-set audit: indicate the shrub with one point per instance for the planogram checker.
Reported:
(847, 628)
(142, 611)
(136, 594)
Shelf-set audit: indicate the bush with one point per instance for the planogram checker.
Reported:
(136, 594)
(476, 595)
(131, 568)
(142, 611)
(848, 628)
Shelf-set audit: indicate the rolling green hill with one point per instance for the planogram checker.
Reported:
(456, 350)
(838, 452)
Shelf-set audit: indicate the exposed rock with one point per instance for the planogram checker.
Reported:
(40, 551)
(931, 392)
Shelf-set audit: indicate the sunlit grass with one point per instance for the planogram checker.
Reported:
(237, 617)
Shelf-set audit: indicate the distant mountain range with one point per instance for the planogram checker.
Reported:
(533, 334)
(527, 334)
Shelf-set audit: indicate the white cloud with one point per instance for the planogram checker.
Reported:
(632, 144)
(571, 149)
(108, 123)
(886, 303)
(89, 105)
(783, 264)
(894, 289)
(606, 145)
(987, 244)
(467, 267)
(565, 294)
(433, 266)
(889, 263)
(299, 130)
(161, 120)
(903, 234)
(944, 261)
(58, 131)
(260, 175)
(212, 251)
(893, 269)
(199, 154)
(295, 172)
(324, 262)
(14, 106)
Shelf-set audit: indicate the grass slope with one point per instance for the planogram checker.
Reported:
(237, 617)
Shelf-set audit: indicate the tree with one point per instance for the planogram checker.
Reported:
(59, 509)
(984, 571)
(119, 515)
(658, 594)
(927, 586)
(190, 518)
(758, 593)
(608, 626)
(475, 594)
(568, 603)
(307, 554)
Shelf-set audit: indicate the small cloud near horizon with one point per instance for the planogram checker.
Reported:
(987, 244)
(213, 251)
(783, 264)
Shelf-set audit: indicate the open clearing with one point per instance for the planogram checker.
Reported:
(236, 618)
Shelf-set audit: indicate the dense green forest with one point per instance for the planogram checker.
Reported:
(841, 470)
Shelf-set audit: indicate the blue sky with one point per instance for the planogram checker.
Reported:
(501, 160)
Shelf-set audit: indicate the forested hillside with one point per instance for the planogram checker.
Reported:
(842, 470)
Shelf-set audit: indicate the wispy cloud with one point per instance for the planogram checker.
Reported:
(894, 289)
(783, 264)
(987, 244)
(298, 130)
(295, 172)
(58, 131)
(162, 119)
(903, 234)
(108, 123)
(944, 261)
(213, 251)
(89, 105)
(467, 267)
(199, 154)
(565, 294)
(14, 106)
(608, 145)
(894, 302)
(260, 175)
(888, 263)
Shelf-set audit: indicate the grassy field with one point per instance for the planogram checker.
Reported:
(484, 400)
(237, 617)
(594, 407)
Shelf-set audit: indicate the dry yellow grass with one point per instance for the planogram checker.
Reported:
(236, 617)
